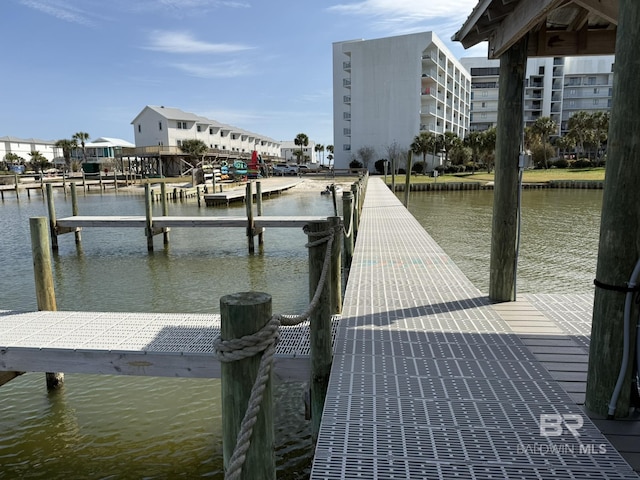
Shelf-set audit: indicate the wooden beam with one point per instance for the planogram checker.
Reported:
(8, 376)
(547, 43)
(606, 9)
(518, 24)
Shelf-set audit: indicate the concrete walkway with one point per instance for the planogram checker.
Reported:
(430, 381)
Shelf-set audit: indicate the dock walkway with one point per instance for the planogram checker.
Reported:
(431, 381)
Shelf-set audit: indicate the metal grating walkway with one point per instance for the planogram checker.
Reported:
(428, 382)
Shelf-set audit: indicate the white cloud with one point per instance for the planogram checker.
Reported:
(408, 15)
(59, 9)
(216, 70)
(179, 42)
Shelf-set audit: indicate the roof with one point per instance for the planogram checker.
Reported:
(553, 27)
(111, 142)
(27, 140)
(172, 113)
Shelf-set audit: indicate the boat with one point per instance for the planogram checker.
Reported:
(330, 189)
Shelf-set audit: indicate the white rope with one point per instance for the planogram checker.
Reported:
(265, 340)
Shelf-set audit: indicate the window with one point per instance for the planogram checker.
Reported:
(596, 101)
(233, 136)
(211, 131)
(484, 104)
(591, 80)
(346, 146)
(139, 128)
(182, 125)
(199, 128)
(596, 91)
(159, 125)
(179, 143)
(540, 70)
(485, 93)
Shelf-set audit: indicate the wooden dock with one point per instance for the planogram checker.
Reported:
(273, 186)
(430, 380)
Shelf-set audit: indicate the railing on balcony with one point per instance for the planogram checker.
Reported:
(346, 82)
(346, 65)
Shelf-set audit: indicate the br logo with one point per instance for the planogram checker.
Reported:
(554, 425)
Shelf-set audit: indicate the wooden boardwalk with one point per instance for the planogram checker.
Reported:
(273, 185)
(432, 381)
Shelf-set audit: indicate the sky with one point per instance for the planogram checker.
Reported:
(261, 65)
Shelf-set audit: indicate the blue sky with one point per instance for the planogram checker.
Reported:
(261, 65)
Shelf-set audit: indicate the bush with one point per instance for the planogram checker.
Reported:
(355, 164)
(379, 166)
(582, 163)
(561, 163)
(418, 167)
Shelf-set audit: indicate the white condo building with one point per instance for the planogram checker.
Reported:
(22, 147)
(386, 91)
(159, 126)
(554, 87)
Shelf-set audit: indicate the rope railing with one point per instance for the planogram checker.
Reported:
(264, 341)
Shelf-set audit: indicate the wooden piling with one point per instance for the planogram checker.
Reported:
(502, 272)
(165, 212)
(250, 222)
(245, 314)
(148, 230)
(52, 217)
(356, 210)
(74, 210)
(45, 293)
(259, 211)
(347, 215)
(198, 195)
(407, 179)
(335, 274)
(16, 181)
(618, 249)
(320, 329)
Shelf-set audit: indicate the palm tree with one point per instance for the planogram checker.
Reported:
(474, 141)
(422, 144)
(301, 140)
(580, 129)
(82, 137)
(319, 148)
(196, 149)
(67, 147)
(544, 127)
(38, 161)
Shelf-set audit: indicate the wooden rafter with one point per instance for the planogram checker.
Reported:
(606, 10)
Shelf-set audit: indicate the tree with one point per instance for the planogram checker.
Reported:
(366, 154)
(82, 137)
(449, 141)
(424, 143)
(302, 141)
(474, 140)
(544, 127)
(38, 161)
(601, 131)
(196, 149)
(394, 153)
(488, 149)
(580, 129)
(67, 147)
(319, 148)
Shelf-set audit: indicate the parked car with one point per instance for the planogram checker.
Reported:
(285, 169)
(304, 169)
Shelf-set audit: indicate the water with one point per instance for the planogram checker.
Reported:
(559, 239)
(139, 427)
(136, 427)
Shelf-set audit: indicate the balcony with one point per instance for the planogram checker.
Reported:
(346, 99)
(346, 66)
(346, 82)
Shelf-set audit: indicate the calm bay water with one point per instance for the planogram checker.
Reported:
(559, 239)
(136, 427)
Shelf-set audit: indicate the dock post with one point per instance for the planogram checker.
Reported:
(52, 217)
(74, 210)
(198, 195)
(148, 229)
(335, 279)
(250, 223)
(17, 181)
(347, 215)
(100, 180)
(64, 183)
(259, 211)
(356, 210)
(407, 179)
(165, 211)
(45, 293)
(84, 182)
(245, 314)
(115, 179)
(320, 328)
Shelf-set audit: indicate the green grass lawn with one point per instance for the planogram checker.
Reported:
(529, 176)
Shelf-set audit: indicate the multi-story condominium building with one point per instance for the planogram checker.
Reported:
(554, 87)
(22, 147)
(168, 127)
(386, 91)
